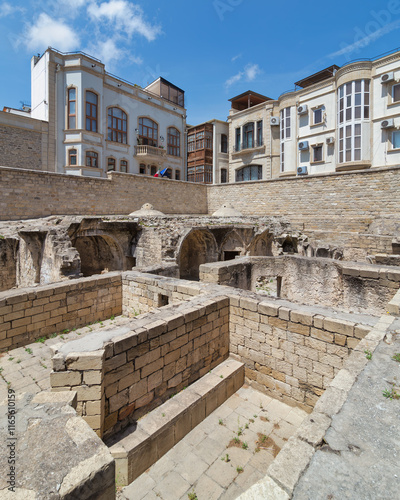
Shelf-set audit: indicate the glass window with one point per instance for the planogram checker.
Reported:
(91, 159)
(177, 175)
(208, 136)
(142, 169)
(224, 143)
(248, 136)
(317, 153)
(153, 170)
(72, 108)
(396, 139)
(224, 175)
(237, 139)
(174, 140)
(249, 173)
(200, 140)
(396, 93)
(191, 143)
(317, 116)
(91, 111)
(259, 133)
(285, 133)
(148, 132)
(353, 108)
(72, 157)
(117, 125)
(123, 166)
(110, 164)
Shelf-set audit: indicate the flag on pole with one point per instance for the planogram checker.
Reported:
(161, 173)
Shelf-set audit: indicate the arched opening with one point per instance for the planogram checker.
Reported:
(261, 245)
(232, 246)
(199, 247)
(98, 253)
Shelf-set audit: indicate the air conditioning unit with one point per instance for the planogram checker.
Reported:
(389, 123)
(387, 77)
(303, 145)
(302, 171)
(301, 110)
(330, 140)
(274, 120)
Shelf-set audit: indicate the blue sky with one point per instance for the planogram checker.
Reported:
(212, 49)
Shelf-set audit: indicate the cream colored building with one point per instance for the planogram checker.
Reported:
(98, 122)
(338, 119)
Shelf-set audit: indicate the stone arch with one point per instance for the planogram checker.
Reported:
(232, 245)
(261, 246)
(197, 247)
(98, 252)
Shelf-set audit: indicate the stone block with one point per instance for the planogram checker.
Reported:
(85, 360)
(66, 378)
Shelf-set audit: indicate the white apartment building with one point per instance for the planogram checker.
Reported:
(338, 119)
(99, 123)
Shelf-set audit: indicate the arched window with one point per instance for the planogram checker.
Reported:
(224, 143)
(71, 108)
(174, 140)
(72, 157)
(148, 132)
(91, 111)
(110, 164)
(117, 125)
(123, 166)
(249, 173)
(92, 159)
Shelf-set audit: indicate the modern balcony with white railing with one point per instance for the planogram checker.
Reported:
(150, 151)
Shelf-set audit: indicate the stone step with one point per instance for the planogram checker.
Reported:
(141, 445)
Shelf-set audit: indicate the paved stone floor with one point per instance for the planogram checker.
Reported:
(27, 368)
(224, 455)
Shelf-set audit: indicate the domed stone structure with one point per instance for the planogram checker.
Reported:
(146, 210)
(227, 210)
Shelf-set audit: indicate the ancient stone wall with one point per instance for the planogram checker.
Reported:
(26, 194)
(30, 313)
(340, 201)
(23, 142)
(8, 262)
(291, 354)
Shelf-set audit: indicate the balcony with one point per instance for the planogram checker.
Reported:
(150, 152)
(247, 147)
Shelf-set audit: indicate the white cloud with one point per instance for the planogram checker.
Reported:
(7, 9)
(251, 71)
(109, 52)
(124, 16)
(234, 58)
(47, 32)
(249, 74)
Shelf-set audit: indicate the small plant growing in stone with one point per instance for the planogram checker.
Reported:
(163, 414)
(28, 350)
(251, 420)
(112, 317)
(391, 394)
(18, 361)
(10, 359)
(239, 469)
(221, 376)
(192, 495)
(40, 340)
(245, 445)
(220, 421)
(396, 357)
(1, 237)
(53, 335)
(368, 354)
(236, 439)
(255, 416)
(226, 458)
(240, 431)
(246, 426)
(43, 365)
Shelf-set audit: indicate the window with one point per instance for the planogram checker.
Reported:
(224, 143)
(317, 116)
(224, 175)
(168, 173)
(91, 111)
(396, 139)
(200, 140)
(174, 138)
(317, 152)
(353, 109)
(117, 125)
(142, 169)
(209, 137)
(249, 173)
(72, 157)
(200, 173)
(153, 170)
(259, 133)
(191, 143)
(148, 132)
(237, 139)
(72, 108)
(285, 134)
(396, 93)
(110, 164)
(177, 175)
(248, 136)
(123, 166)
(91, 159)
